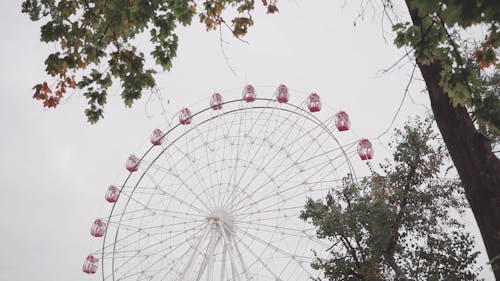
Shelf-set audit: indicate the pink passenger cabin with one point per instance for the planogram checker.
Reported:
(216, 101)
(90, 264)
(282, 93)
(156, 137)
(112, 194)
(98, 228)
(365, 149)
(342, 121)
(132, 163)
(185, 116)
(314, 102)
(249, 93)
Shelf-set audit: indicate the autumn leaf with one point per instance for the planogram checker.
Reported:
(72, 82)
(51, 102)
(271, 9)
(45, 88)
(38, 92)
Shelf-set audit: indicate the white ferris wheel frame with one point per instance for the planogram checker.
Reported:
(216, 241)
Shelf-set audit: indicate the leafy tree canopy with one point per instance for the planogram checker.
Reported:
(400, 224)
(463, 78)
(95, 45)
(95, 40)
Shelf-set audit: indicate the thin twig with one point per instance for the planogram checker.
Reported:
(401, 103)
(224, 53)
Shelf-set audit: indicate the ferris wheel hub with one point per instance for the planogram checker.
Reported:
(221, 218)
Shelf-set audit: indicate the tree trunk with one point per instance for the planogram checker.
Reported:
(471, 152)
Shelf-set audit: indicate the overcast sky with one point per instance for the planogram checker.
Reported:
(55, 167)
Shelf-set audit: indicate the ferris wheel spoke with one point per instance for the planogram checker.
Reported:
(186, 186)
(144, 188)
(272, 193)
(268, 163)
(127, 213)
(254, 153)
(173, 172)
(269, 196)
(258, 259)
(288, 230)
(133, 199)
(342, 148)
(175, 263)
(184, 202)
(219, 137)
(284, 140)
(233, 172)
(192, 237)
(295, 162)
(227, 197)
(326, 153)
(277, 238)
(174, 224)
(146, 230)
(287, 199)
(225, 133)
(103, 251)
(126, 244)
(263, 211)
(190, 156)
(281, 251)
(208, 152)
(170, 228)
(307, 232)
(243, 118)
(165, 211)
(161, 258)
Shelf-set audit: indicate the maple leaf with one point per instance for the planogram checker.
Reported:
(51, 102)
(271, 9)
(45, 88)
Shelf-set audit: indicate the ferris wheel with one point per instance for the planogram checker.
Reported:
(218, 195)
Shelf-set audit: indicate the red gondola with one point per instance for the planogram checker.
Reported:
(216, 101)
(365, 149)
(342, 121)
(314, 102)
(156, 137)
(112, 194)
(185, 116)
(249, 93)
(98, 228)
(90, 264)
(132, 163)
(282, 93)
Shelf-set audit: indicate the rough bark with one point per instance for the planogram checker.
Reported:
(471, 152)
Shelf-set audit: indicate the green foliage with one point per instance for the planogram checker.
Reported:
(95, 40)
(436, 38)
(99, 35)
(401, 221)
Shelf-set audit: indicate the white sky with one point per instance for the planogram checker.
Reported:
(55, 167)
